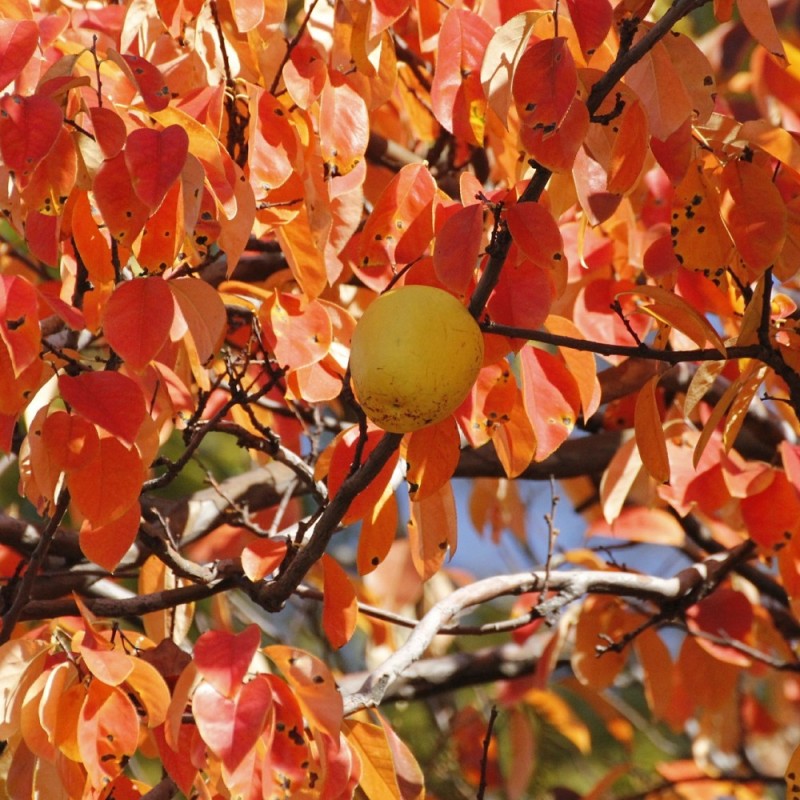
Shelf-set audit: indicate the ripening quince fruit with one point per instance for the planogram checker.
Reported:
(415, 354)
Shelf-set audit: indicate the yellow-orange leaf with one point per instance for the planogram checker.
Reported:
(378, 777)
(339, 604)
(650, 432)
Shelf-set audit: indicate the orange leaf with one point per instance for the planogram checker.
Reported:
(432, 531)
(640, 524)
(339, 604)
(108, 485)
(551, 398)
(108, 399)
(581, 364)
(18, 42)
(514, 439)
(343, 128)
(650, 432)
(298, 333)
(204, 313)
(262, 557)
(457, 96)
(754, 213)
(432, 454)
(491, 399)
(108, 732)
(545, 84)
(313, 686)
(699, 236)
(107, 664)
(124, 213)
(138, 318)
(224, 658)
(457, 246)
(400, 227)
(247, 13)
(657, 667)
(758, 19)
(378, 532)
(92, 246)
(344, 451)
(524, 293)
(231, 726)
(106, 543)
(773, 513)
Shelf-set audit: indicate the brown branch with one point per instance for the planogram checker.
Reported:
(25, 585)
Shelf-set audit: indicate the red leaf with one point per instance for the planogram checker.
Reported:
(523, 295)
(203, 311)
(108, 399)
(754, 213)
(155, 160)
(536, 233)
(339, 604)
(18, 41)
(145, 77)
(727, 614)
(138, 318)
(232, 726)
(458, 244)
(557, 149)
(551, 399)
(544, 84)
(773, 513)
(224, 658)
(29, 127)
(592, 20)
(299, 333)
(400, 227)
(456, 92)
(343, 128)
(19, 321)
(109, 130)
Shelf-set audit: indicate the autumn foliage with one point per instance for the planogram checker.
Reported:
(219, 576)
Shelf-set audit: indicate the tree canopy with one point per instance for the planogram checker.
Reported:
(220, 578)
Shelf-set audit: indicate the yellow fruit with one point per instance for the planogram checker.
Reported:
(415, 354)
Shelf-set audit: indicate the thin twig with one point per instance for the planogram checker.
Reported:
(487, 741)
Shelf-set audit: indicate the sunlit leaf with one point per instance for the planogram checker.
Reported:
(378, 532)
(726, 614)
(551, 399)
(124, 213)
(108, 486)
(339, 604)
(400, 227)
(106, 543)
(18, 41)
(155, 160)
(344, 128)
(29, 127)
(262, 557)
(231, 726)
(456, 92)
(108, 399)
(458, 244)
(223, 658)
(146, 77)
(313, 686)
(757, 17)
(138, 318)
(432, 455)
(592, 21)
(432, 531)
(378, 777)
